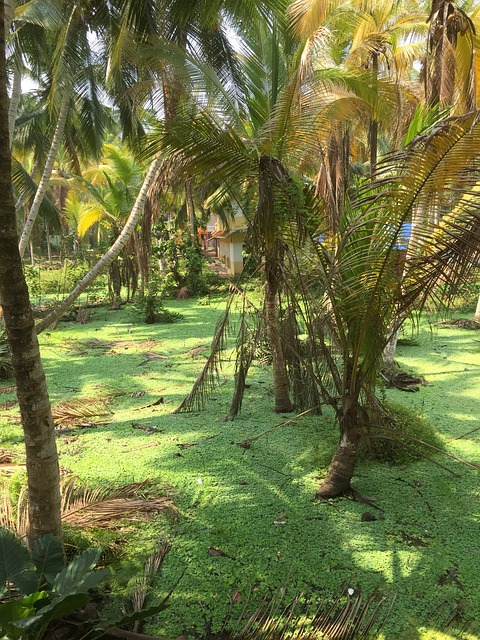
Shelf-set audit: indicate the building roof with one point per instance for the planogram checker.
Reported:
(225, 233)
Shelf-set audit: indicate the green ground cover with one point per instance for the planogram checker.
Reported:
(255, 505)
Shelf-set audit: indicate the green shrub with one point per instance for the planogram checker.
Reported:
(58, 280)
(401, 435)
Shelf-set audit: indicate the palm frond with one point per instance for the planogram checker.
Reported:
(347, 618)
(79, 411)
(208, 378)
(102, 507)
(106, 505)
(144, 583)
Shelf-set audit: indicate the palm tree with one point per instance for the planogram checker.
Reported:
(281, 122)
(71, 74)
(42, 458)
(103, 198)
(367, 295)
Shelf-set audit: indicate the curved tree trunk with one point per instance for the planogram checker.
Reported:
(47, 172)
(14, 101)
(41, 452)
(342, 467)
(111, 254)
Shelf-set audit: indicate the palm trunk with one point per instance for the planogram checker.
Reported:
(41, 451)
(47, 172)
(342, 467)
(111, 254)
(280, 379)
(14, 101)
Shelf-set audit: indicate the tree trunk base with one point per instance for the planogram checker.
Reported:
(284, 408)
(340, 473)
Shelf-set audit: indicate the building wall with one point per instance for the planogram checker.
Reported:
(230, 252)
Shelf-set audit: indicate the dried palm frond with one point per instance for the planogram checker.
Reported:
(10, 389)
(207, 380)
(150, 570)
(10, 462)
(77, 411)
(104, 506)
(101, 507)
(349, 617)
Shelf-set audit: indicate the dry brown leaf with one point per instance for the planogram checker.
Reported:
(105, 506)
(8, 389)
(7, 405)
(76, 411)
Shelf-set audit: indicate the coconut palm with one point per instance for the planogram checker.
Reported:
(41, 452)
(103, 198)
(287, 106)
(71, 74)
(367, 293)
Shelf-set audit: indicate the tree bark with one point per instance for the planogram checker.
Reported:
(41, 452)
(342, 467)
(47, 172)
(14, 101)
(283, 403)
(111, 254)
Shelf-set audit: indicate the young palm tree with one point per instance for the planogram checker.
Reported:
(367, 293)
(291, 104)
(103, 198)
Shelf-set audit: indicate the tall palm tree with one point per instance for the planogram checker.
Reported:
(287, 109)
(41, 452)
(71, 74)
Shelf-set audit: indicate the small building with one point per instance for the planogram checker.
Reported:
(228, 243)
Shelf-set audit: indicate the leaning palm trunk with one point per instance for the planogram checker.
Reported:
(14, 100)
(41, 452)
(47, 172)
(111, 254)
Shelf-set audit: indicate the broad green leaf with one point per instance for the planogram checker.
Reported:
(79, 576)
(143, 614)
(58, 608)
(16, 564)
(48, 557)
(15, 613)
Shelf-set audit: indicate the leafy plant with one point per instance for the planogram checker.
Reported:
(39, 589)
(403, 435)
(151, 305)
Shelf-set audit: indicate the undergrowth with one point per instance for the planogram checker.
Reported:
(248, 524)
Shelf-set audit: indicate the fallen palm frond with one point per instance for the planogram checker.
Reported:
(10, 389)
(77, 412)
(10, 462)
(104, 506)
(349, 617)
(7, 457)
(101, 507)
(150, 570)
(83, 345)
